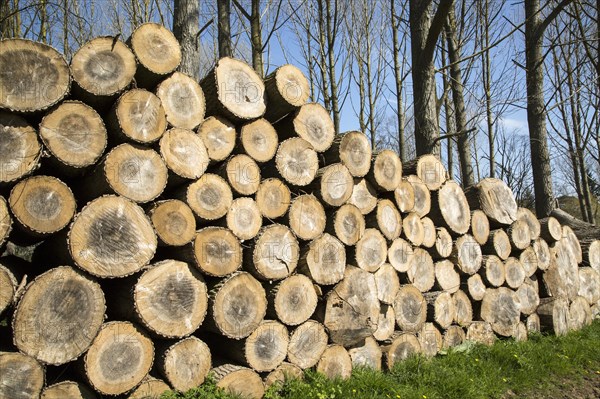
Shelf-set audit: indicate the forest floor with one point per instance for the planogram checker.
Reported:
(544, 367)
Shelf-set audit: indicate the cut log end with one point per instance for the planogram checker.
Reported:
(243, 174)
(217, 251)
(480, 226)
(307, 217)
(368, 355)
(412, 228)
(354, 151)
(294, 300)
(422, 202)
(259, 140)
(20, 150)
(244, 218)
(67, 389)
(139, 116)
(21, 376)
(464, 309)
(335, 363)
(324, 260)
(429, 169)
(150, 388)
(287, 88)
(186, 364)
(446, 276)
(157, 51)
(173, 221)
(495, 199)
(421, 273)
(370, 251)
(500, 307)
(283, 373)
(218, 135)
(402, 347)
(239, 381)
(210, 197)
(335, 184)
(386, 171)
(296, 161)
(266, 347)
(400, 255)
(348, 224)
(388, 283)
(410, 308)
(184, 153)
(273, 198)
(452, 208)
(307, 343)
(363, 196)
(275, 254)
(404, 195)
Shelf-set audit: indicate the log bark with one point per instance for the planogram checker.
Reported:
(210, 197)
(370, 251)
(293, 300)
(274, 254)
(234, 90)
(185, 364)
(495, 199)
(450, 208)
(150, 388)
(387, 282)
(67, 389)
(324, 260)
(363, 196)
(353, 150)
(296, 162)
(464, 309)
(310, 122)
(404, 195)
(386, 171)
(119, 359)
(21, 376)
(480, 226)
(35, 78)
(500, 307)
(173, 222)
(348, 224)
(466, 254)
(259, 140)
(75, 136)
(368, 355)
(422, 203)
(306, 217)
(400, 255)
(273, 198)
(429, 169)
(412, 228)
(157, 52)
(333, 185)
(446, 276)
(20, 150)
(498, 244)
(240, 381)
(218, 135)
(307, 344)
(404, 346)
(335, 363)
(410, 308)
(184, 154)
(287, 89)
(554, 315)
(591, 254)
(101, 69)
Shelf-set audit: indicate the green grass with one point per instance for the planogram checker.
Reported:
(478, 372)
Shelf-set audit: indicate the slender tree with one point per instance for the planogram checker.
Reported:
(224, 28)
(186, 18)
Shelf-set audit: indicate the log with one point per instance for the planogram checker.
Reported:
(41, 206)
(480, 226)
(274, 254)
(529, 261)
(446, 276)
(307, 344)
(453, 337)
(443, 244)
(273, 198)
(259, 140)
(410, 308)
(464, 309)
(404, 346)
(234, 90)
(421, 273)
(431, 340)
(400, 255)
(237, 305)
(157, 52)
(500, 307)
(5, 223)
(386, 218)
(591, 253)
(583, 230)
(450, 208)
(210, 197)
(293, 300)
(386, 171)
(169, 299)
(533, 324)
(184, 154)
(310, 122)
(466, 254)
(476, 287)
(521, 333)
(21, 376)
(498, 244)
(554, 315)
(183, 101)
(111, 237)
(239, 381)
(67, 390)
(119, 359)
(542, 253)
(306, 217)
(550, 229)
(495, 199)
(173, 222)
(385, 324)
(443, 309)
(363, 196)
(481, 332)
(595, 311)
(528, 297)
(370, 251)
(283, 373)
(185, 364)
(287, 89)
(413, 228)
(572, 243)
(323, 260)
(58, 316)
(580, 314)
(353, 150)
(134, 172)
(562, 278)
(348, 224)
(387, 282)
(10, 285)
(519, 235)
(101, 69)
(150, 388)
(296, 162)
(493, 271)
(242, 173)
(138, 116)
(352, 308)
(532, 221)
(75, 136)
(20, 150)
(218, 135)
(368, 355)
(429, 169)
(244, 218)
(333, 185)
(429, 233)
(589, 285)
(335, 363)
(35, 76)
(515, 273)
(404, 195)
(422, 203)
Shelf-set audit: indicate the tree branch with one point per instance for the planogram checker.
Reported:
(242, 10)
(437, 24)
(551, 17)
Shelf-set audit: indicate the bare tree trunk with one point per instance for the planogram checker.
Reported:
(331, 24)
(224, 25)
(399, 82)
(450, 128)
(486, 75)
(186, 18)
(256, 38)
(460, 113)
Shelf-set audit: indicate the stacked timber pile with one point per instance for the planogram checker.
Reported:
(187, 228)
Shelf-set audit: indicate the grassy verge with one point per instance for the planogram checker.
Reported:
(471, 373)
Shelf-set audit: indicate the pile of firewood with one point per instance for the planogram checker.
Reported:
(184, 228)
